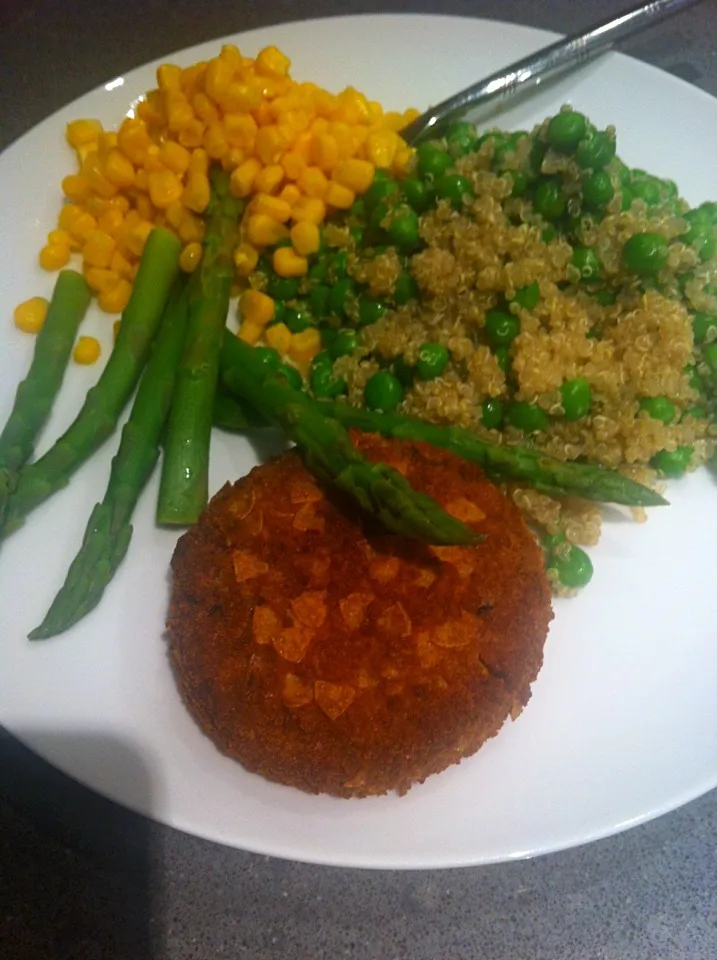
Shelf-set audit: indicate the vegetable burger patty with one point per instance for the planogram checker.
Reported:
(324, 654)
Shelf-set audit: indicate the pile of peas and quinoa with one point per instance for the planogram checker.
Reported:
(530, 287)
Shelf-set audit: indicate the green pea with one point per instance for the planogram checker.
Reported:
(702, 323)
(626, 197)
(700, 236)
(595, 151)
(403, 229)
(576, 397)
(501, 327)
(697, 412)
(403, 371)
(369, 310)
(291, 374)
(319, 300)
(586, 261)
(528, 297)
(604, 296)
(528, 417)
(672, 463)
(432, 161)
(298, 318)
(521, 182)
(492, 413)
(648, 189)
(381, 174)
(317, 272)
(548, 233)
(405, 289)
(328, 334)
(502, 355)
(324, 385)
(268, 357)
(341, 297)
(383, 391)
(573, 566)
(344, 344)
(709, 355)
(566, 130)
(432, 360)
(417, 194)
(337, 265)
(550, 200)
(454, 188)
(695, 379)
(381, 190)
(659, 408)
(553, 540)
(598, 190)
(282, 288)
(645, 254)
(461, 138)
(357, 210)
(356, 234)
(708, 208)
(278, 317)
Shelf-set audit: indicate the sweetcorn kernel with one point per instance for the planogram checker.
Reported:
(117, 298)
(287, 263)
(246, 258)
(242, 179)
(257, 307)
(269, 179)
(309, 208)
(355, 174)
(190, 257)
(250, 332)
(87, 350)
(305, 238)
(278, 336)
(339, 196)
(98, 249)
(272, 206)
(305, 345)
(29, 316)
(54, 256)
(263, 231)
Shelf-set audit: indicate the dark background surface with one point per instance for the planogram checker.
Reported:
(81, 879)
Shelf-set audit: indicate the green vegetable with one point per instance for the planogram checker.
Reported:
(586, 261)
(700, 235)
(403, 229)
(549, 199)
(324, 385)
(573, 566)
(709, 355)
(344, 344)
(109, 529)
(342, 297)
(501, 327)
(521, 182)
(329, 453)
(595, 151)
(598, 190)
(383, 391)
(282, 288)
(502, 355)
(381, 189)
(432, 360)
(454, 188)
(506, 461)
(461, 139)
(492, 413)
(576, 398)
(405, 289)
(528, 297)
(672, 463)
(403, 372)
(105, 401)
(417, 194)
(36, 393)
(298, 317)
(291, 375)
(319, 300)
(702, 323)
(528, 417)
(233, 414)
(432, 161)
(369, 310)
(566, 130)
(660, 408)
(268, 357)
(644, 254)
(184, 483)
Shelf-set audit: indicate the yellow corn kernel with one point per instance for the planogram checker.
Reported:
(111, 222)
(190, 257)
(246, 258)
(119, 169)
(153, 108)
(240, 130)
(141, 180)
(196, 192)
(355, 174)
(93, 172)
(359, 135)
(305, 345)
(133, 139)
(242, 179)
(174, 156)
(257, 307)
(293, 163)
(29, 315)
(319, 125)
(278, 336)
(191, 77)
(117, 298)
(231, 53)
(61, 237)
(81, 132)
(271, 62)
(262, 114)
(410, 115)
(271, 142)
(87, 350)
(403, 161)
(339, 196)
(145, 208)
(205, 108)
(302, 145)
(325, 152)
(136, 238)
(82, 225)
(174, 214)
(250, 332)
(233, 158)
(309, 208)
(241, 97)
(325, 103)
(287, 263)
(120, 265)
(263, 231)
(68, 216)
(272, 206)
(198, 161)
(305, 238)
(217, 77)
(169, 77)
(269, 179)
(313, 182)
(192, 135)
(98, 249)
(100, 279)
(191, 228)
(164, 188)
(214, 141)
(290, 193)
(75, 187)
(179, 114)
(381, 146)
(54, 256)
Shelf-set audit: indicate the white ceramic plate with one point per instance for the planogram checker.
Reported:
(623, 721)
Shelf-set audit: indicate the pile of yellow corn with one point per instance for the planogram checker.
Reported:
(297, 151)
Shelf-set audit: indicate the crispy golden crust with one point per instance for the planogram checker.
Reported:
(327, 655)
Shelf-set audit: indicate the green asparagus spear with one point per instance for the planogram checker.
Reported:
(109, 529)
(185, 467)
(105, 401)
(507, 462)
(329, 453)
(234, 415)
(36, 394)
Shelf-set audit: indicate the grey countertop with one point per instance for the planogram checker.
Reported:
(81, 879)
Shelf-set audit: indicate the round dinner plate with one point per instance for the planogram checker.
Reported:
(622, 725)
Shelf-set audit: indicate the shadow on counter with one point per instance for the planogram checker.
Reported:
(75, 868)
